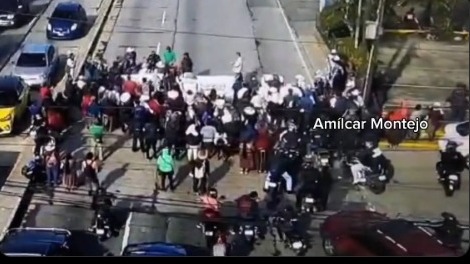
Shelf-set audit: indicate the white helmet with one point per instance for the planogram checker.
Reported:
(130, 49)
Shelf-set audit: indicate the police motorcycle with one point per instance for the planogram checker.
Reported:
(308, 192)
(103, 223)
(288, 229)
(450, 166)
(375, 182)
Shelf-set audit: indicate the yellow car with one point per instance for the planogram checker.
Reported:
(14, 98)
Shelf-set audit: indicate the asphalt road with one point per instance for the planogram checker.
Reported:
(255, 28)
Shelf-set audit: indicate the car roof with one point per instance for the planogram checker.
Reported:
(68, 6)
(9, 83)
(40, 241)
(163, 249)
(408, 239)
(34, 48)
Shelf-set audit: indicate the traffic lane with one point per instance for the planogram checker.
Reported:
(276, 48)
(75, 219)
(144, 25)
(212, 31)
(38, 32)
(417, 192)
(11, 38)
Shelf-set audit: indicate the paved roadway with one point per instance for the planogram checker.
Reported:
(171, 216)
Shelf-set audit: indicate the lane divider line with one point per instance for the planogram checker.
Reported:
(294, 40)
(158, 48)
(127, 232)
(163, 18)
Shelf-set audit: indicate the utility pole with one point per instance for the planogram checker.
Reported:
(373, 51)
(358, 24)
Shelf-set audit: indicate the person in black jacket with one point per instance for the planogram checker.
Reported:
(150, 139)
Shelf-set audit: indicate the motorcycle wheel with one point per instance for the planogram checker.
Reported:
(389, 171)
(377, 187)
(328, 247)
(449, 192)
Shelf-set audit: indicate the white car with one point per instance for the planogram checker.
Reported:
(459, 133)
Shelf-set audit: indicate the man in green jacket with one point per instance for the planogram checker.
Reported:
(166, 169)
(97, 133)
(169, 57)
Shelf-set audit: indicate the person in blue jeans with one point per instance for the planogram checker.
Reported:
(52, 168)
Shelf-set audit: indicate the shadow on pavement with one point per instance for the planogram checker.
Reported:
(219, 173)
(114, 175)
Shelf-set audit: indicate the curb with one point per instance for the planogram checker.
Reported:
(411, 146)
(89, 49)
(26, 34)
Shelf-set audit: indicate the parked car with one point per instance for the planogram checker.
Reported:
(13, 13)
(37, 64)
(163, 249)
(36, 242)
(457, 132)
(365, 233)
(68, 21)
(14, 100)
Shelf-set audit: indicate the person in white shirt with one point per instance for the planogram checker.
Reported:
(70, 64)
(237, 67)
(330, 63)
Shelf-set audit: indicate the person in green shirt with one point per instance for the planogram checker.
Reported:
(165, 169)
(97, 133)
(169, 57)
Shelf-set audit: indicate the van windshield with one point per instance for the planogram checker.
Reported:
(32, 60)
(8, 99)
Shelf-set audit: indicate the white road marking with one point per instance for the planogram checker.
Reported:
(163, 18)
(294, 39)
(158, 48)
(127, 232)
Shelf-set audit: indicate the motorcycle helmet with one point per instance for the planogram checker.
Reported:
(451, 146)
(249, 111)
(291, 126)
(125, 98)
(253, 195)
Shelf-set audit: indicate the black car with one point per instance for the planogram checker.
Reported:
(13, 12)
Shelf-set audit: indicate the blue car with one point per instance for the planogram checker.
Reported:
(68, 21)
(155, 249)
(36, 242)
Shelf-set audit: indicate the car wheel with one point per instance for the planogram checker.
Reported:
(328, 247)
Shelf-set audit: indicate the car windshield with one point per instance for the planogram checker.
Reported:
(32, 60)
(63, 14)
(8, 99)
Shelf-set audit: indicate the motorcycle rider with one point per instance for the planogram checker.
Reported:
(247, 206)
(450, 231)
(211, 207)
(101, 203)
(370, 159)
(35, 170)
(289, 138)
(140, 118)
(275, 174)
(286, 223)
(452, 162)
(125, 111)
(311, 183)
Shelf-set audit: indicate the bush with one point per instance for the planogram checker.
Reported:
(332, 18)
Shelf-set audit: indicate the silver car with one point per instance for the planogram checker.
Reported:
(37, 64)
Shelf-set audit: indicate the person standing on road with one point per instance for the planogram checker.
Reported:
(165, 169)
(169, 58)
(52, 169)
(458, 101)
(90, 172)
(237, 67)
(97, 133)
(69, 171)
(200, 172)
(193, 141)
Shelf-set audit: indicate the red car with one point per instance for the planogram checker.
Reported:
(366, 233)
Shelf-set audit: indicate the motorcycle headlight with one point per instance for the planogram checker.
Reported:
(49, 27)
(74, 27)
(11, 16)
(297, 245)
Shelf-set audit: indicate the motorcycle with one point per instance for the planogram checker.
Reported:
(249, 232)
(102, 226)
(311, 205)
(375, 182)
(451, 183)
(323, 157)
(295, 240)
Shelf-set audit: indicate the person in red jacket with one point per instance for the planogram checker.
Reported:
(45, 92)
(262, 145)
